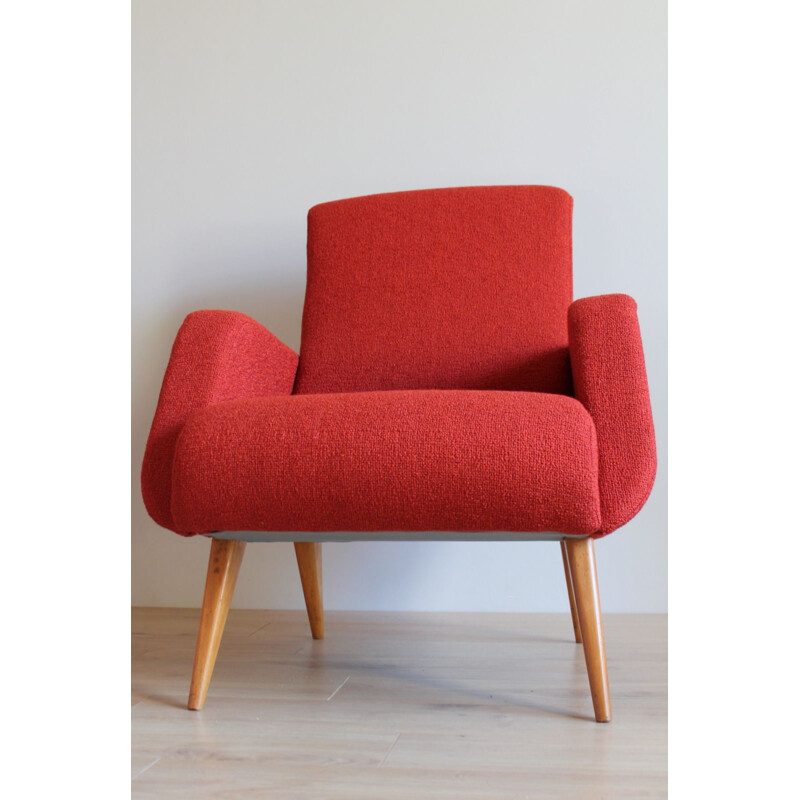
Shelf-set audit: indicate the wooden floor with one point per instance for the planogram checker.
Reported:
(398, 705)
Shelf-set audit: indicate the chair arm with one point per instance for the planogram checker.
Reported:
(217, 356)
(608, 371)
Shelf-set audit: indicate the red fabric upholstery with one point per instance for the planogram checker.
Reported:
(610, 380)
(217, 356)
(412, 299)
(439, 289)
(398, 460)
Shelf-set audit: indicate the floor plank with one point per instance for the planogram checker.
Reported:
(397, 705)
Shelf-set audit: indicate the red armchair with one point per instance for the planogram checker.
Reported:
(447, 387)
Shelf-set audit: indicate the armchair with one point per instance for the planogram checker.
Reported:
(447, 388)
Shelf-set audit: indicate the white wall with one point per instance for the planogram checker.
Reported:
(248, 113)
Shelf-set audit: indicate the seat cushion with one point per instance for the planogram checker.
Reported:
(411, 460)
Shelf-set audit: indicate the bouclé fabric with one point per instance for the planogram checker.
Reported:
(446, 381)
(610, 380)
(396, 460)
(217, 356)
(439, 289)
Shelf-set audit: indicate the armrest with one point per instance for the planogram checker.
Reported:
(608, 371)
(217, 356)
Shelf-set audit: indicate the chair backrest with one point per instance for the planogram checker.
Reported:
(463, 288)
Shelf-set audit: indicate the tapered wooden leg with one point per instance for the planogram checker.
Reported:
(576, 623)
(580, 554)
(309, 561)
(223, 568)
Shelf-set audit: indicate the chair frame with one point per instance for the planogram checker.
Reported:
(225, 559)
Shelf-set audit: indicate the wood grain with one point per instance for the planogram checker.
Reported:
(223, 568)
(573, 609)
(583, 570)
(309, 561)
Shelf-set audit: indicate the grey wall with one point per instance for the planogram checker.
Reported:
(248, 113)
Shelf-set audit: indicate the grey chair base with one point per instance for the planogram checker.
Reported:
(389, 536)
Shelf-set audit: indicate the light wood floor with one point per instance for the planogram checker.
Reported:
(393, 705)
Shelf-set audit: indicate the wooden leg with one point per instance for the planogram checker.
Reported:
(583, 569)
(223, 567)
(309, 560)
(576, 623)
